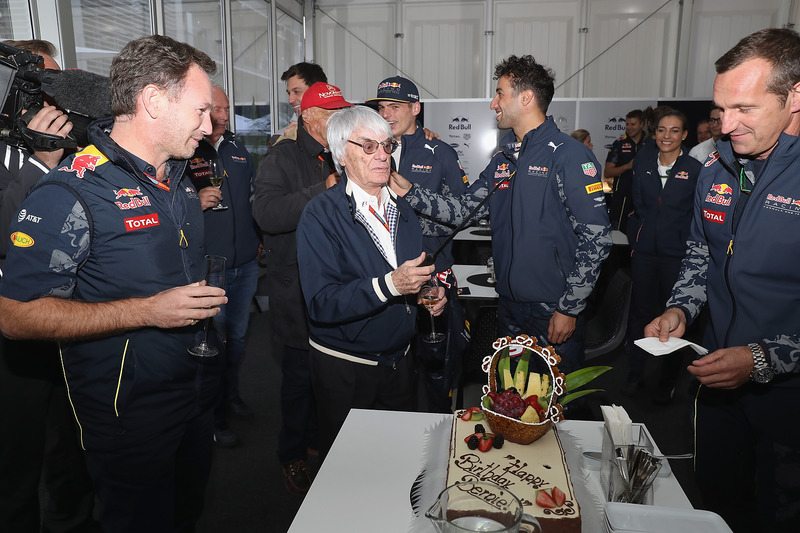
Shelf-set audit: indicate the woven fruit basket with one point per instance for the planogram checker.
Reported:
(512, 429)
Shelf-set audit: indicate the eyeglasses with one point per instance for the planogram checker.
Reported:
(714, 121)
(370, 147)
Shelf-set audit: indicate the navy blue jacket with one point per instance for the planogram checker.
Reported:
(663, 215)
(742, 257)
(231, 233)
(433, 165)
(550, 228)
(352, 312)
(98, 229)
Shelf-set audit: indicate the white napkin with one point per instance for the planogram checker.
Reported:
(656, 347)
(618, 423)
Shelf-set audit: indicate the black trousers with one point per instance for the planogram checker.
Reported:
(653, 278)
(156, 486)
(341, 385)
(747, 457)
(39, 444)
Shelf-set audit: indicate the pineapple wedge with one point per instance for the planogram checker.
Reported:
(519, 381)
(530, 416)
(507, 380)
(534, 385)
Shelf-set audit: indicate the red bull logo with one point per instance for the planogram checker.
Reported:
(722, 188)
(130, 193)
(134, 203)
(81, 164)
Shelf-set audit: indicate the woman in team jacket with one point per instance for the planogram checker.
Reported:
(664, 180)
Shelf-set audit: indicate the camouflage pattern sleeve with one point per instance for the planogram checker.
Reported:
(589, 219)
(689, 292)
(784, 353)
(447, 209)
(55, 229)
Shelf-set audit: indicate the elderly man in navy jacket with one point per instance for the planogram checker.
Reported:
(359, 248)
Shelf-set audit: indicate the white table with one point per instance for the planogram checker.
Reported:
(468, 234)
(462, 272)
(365, 482)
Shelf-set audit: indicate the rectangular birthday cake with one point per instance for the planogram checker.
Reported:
(536, 473)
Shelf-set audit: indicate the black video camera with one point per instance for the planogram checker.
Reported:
(21, 89)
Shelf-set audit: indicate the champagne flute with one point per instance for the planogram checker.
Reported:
(216, 177)
(215, 277)
(429, 294)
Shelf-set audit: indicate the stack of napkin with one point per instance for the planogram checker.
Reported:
(618, 424)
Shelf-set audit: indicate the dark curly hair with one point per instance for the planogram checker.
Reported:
(778, 46)
(155, 59)
(526, 74)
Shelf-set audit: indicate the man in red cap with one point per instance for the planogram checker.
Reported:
(293, 172)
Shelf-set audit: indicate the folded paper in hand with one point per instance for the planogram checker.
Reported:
(656, 347)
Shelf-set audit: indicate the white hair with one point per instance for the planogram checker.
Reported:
(344, 122)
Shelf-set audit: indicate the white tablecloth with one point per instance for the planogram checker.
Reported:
(364, 484)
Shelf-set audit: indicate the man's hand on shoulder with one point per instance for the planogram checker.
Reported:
(431, 135)
(181, 306)
(399, 184)
(289, 130)
(409, 277)
(672, 323)
(332, 180)
(727, 368)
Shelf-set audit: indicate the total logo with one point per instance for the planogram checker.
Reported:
(714, 216)
(141, 222)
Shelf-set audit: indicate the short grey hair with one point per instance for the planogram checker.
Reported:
(344, 122)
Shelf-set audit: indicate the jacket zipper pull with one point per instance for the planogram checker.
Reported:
(183, 242)
(730, 247)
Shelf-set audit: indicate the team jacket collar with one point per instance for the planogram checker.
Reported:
(784, 154)
(99, 136)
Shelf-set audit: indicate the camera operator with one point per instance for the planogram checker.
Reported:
(40, 443)
(20, 169)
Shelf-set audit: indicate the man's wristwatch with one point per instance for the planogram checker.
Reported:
(762, 370)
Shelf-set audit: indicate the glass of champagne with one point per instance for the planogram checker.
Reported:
(429, 295)
(216, 177)
(215, 277)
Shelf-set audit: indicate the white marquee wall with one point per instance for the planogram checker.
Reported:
(444, 44)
